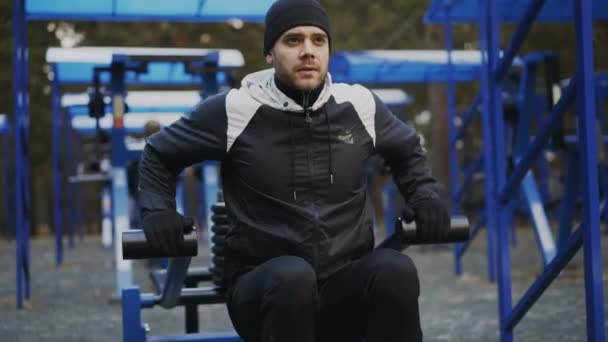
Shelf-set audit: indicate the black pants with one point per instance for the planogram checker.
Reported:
(374, 298)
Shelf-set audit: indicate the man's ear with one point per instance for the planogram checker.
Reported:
(269, 58)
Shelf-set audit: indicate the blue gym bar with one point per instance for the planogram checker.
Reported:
(588, 154)
(20, 147)
(56, 151)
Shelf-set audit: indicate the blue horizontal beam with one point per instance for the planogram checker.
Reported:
(404, 66)
(150, 10)
(467, 11)
(132, 17)
(163, 66)
(565, 102)
(202, 337)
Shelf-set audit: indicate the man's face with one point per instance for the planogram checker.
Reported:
(300, 57)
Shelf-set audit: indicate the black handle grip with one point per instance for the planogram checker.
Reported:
(135, 246)
(405, 234)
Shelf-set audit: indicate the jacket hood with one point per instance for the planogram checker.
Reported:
(262, 88)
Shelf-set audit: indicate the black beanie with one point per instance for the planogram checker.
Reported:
(285, 14)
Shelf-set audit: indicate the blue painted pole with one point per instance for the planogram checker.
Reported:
(69, 141)
(120, 195)
(132, 329)
(25, 180)
(488, 149)
(503, 262)
(19, 50)
(55, 156)
(588, 154)
(496, 145)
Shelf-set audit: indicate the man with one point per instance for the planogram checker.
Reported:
(300, 262)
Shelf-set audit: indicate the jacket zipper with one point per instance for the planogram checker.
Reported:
(308, 119)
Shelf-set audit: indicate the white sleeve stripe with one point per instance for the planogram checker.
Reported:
(363, 101)
(240, 108)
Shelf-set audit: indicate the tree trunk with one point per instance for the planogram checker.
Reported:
(438, 146)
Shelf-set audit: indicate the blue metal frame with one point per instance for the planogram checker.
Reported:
(135, 331)
(588, 152)
(56, 164)
(527, 108)
(500, 191)
(120, 195)
(21, 150)
(51, 11)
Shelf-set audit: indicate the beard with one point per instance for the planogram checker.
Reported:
(291, 79)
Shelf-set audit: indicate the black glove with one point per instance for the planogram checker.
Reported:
(432, 220)
(165, 230)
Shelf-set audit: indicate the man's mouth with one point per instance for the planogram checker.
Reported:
(307, 69)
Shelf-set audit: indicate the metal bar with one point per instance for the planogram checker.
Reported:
(467, 117)
(176, 276)
(25, 180)
(122, 18)
(517, 39)
(550, 272)
(589, 181)
(496, 148)
(18, 95)
(132, 329)
(542, 230)
(205, 337)
(120, 196)
(487, 139)
(55, 156)
(509, 190)
(136, 246)
(70, 140)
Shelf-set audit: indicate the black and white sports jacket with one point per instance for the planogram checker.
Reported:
(293, 178)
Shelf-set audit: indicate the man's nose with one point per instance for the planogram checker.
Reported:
(307, 49)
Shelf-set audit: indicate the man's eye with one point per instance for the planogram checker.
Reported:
(320, 40)
(293, 40)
